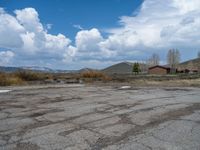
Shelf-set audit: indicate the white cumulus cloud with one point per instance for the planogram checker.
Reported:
(157, 26)
(26, 36)
(6, 57)
(10, 30)
(87, 40)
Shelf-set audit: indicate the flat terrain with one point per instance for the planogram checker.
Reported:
(84, 117)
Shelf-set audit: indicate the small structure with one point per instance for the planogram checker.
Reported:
(187, 70)
(159, 70)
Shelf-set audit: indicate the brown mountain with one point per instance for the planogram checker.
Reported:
(123, 68)
(193, 64)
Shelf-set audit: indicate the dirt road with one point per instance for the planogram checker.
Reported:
(83, 117)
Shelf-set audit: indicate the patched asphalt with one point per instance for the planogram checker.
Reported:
(89, 117)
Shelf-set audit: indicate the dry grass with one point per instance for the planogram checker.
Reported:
(21, 77)
(7, 79)
(170, 83)
(30, 76)
(96, 75)
(92, 74)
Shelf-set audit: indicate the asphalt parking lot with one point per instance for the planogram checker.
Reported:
(89, 117)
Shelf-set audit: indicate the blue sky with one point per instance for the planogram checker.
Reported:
(63, 14)
(72, 34)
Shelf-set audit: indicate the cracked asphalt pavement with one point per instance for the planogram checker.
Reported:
(89, 117)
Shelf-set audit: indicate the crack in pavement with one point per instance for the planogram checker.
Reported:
(102, 142)
(112, 110)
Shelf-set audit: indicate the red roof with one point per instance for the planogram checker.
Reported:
(157, 66)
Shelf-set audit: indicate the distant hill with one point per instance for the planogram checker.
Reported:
(9, 69)
(126, 67)
(85, 70)
(34, 68)
(123, 68)
(120, 68)
(40, 69)
(193, 64)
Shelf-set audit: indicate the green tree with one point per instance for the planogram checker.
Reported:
(136, 68)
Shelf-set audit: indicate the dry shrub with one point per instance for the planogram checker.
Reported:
(92, 74)
(106, 78)
(7, 79)
(14, 81)
(3, 79)
(21, 77)
(30, 76)
(95, 75)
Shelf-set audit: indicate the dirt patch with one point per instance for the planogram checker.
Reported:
(27, 128)
(10, 104)
(177, 89)
(58, 99)
(103, 102)
(110, 107)
(37, 114)
(25, 94)
(7, 101)
(65, 133)
(6, 105)
(27, 146)
(124, 119)
(101, 142)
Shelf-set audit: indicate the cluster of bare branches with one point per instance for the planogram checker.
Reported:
(173, 58)
(153, 60)
(198, 54)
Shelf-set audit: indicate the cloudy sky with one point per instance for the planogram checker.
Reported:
(73, 34)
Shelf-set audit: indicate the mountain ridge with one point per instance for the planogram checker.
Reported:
(122, 68)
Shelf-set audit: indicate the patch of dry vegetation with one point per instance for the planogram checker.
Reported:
(167, 83)
(183, 80)
(95, 75)
(21, 77)
(7, 79)
(30, 76)
(92, 74)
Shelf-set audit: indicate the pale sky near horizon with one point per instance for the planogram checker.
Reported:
(73, 34)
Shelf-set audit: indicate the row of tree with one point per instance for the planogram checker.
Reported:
(173, 58)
